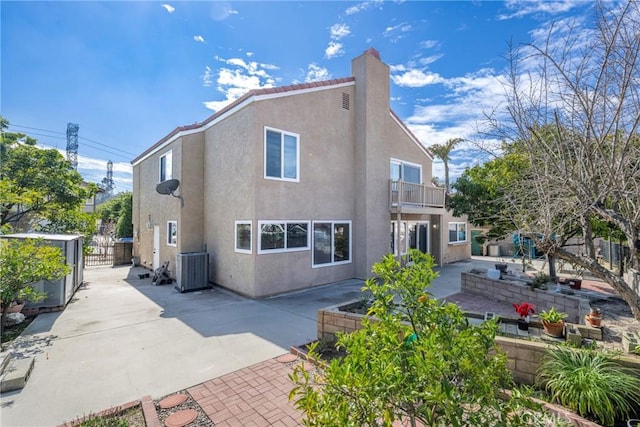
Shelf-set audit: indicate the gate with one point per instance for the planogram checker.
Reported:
(101, 254)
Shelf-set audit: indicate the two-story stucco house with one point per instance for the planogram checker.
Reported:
(295, 186)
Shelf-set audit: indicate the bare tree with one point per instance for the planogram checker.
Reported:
(574, 111)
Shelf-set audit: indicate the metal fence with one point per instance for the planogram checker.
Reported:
(101, 254)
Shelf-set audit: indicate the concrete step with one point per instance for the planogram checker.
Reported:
(16, 374)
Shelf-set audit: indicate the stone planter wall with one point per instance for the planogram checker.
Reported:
(523, 355)
(514, 291)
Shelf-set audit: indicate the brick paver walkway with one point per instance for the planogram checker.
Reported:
(254, 396)
(258, 395)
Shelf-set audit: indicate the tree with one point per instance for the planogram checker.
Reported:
(23, 263)
(482, 192)
(38, 188)
(443, 152)
(574, 111)
(419, 361)
(118, 211)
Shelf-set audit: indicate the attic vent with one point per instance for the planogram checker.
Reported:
(345, 101)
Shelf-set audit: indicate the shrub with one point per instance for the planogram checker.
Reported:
(419, 361)
(590, 383)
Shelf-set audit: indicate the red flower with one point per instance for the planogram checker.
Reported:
(524, 309)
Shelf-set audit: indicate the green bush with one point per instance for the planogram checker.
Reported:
(590, 383)
(420, 361)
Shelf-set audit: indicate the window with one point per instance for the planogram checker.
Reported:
(281, 155)
(404, 171)
(331, 243)
(243, 237)
(403, 237)
(172, 233)
(281, 236)
(457, 232)
(166, 167)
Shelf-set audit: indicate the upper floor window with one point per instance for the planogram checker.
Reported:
(172, 233)
(457, 232)
(405, 171)
(166, 167)
(281, 155)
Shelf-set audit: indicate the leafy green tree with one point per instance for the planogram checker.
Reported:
(118, 211)
(37, 187)
(418, 361)
(23, 263)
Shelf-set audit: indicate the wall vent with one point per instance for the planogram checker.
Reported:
(345, 101)
(192, 271)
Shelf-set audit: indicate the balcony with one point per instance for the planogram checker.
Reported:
(414, 198)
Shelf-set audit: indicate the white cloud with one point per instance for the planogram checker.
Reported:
(416, 78)
(237, 78)
(207, 80)
(168, 7)
(397, 32)
(199, 38)
(249, 54)
(316, 73)
(334, 49)
(519, 8)
(363, 6)
(338, 31)
(428, 44)
(429, 59)
(221, 10)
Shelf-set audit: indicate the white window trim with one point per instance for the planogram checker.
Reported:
(283, 132)
(466, 233)
(404, 162)
(166, 154)
(175, 223)
(333, 224)
(235, 236)
(285, 249)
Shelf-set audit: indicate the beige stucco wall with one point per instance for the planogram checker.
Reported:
(344, 173)
(187, 161)
(453, 252)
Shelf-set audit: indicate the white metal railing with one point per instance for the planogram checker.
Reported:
(415, 195)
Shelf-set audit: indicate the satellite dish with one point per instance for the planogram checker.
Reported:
(168, 186)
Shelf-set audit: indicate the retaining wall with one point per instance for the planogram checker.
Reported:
(514, 291)
(523, 355)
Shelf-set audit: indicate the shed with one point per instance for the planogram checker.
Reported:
(60, 291)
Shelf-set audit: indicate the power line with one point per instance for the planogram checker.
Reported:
(119, 153)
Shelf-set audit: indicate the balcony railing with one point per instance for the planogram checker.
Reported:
(403, 193)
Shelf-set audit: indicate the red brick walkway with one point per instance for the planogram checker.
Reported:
(254, 396)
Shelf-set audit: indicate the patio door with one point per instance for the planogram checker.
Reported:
(419, 236)
(156, 247)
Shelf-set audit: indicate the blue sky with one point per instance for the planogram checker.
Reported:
(130, 72)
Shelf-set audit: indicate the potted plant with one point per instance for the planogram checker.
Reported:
(524, 310)
(576, 277)
(594, 318)
(553, 322)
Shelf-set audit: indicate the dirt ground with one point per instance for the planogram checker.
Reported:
(617, 318)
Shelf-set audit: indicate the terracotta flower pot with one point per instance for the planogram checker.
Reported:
(594, 320)
(553, 329)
